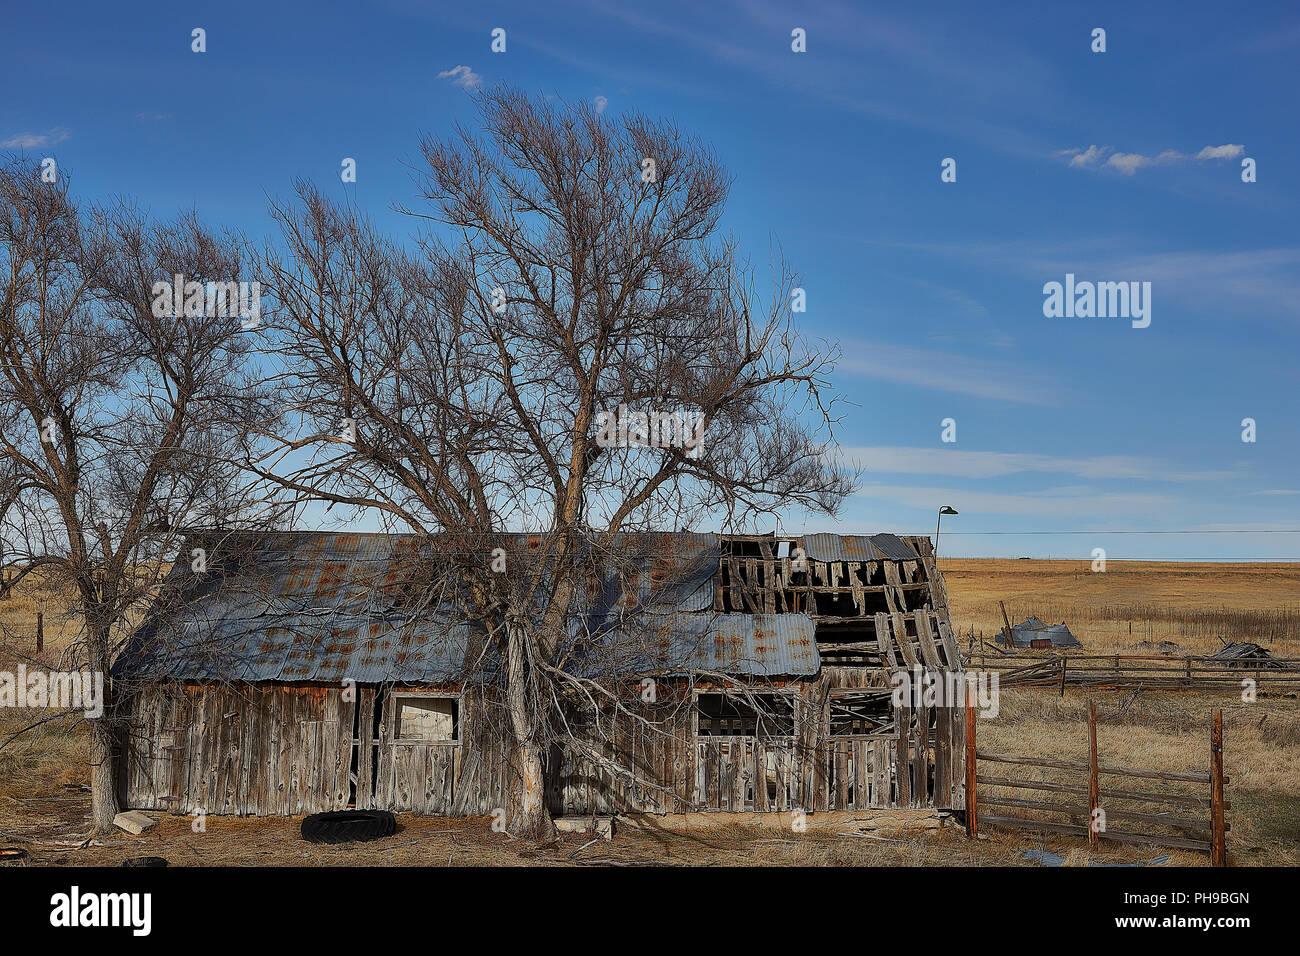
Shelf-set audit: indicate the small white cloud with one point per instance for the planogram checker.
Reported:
(33, 140)
(1227, 151)
(1129, 163)
(1085, 157)
(601, 102)
(463, 77)
(153, 117)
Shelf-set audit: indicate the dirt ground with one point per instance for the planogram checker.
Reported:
(43, 771)
(427, 841)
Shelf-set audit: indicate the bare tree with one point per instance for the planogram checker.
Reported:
(121, 421)
(493, 378)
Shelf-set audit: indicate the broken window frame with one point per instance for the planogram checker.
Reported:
(759, 716)
(888, 731)
(400, 695)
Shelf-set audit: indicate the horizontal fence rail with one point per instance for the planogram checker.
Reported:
(1128, 670)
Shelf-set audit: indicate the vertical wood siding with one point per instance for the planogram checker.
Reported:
(279, 749)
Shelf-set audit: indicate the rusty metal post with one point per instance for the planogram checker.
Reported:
(972, 822)
(1094, 795)
(1218, 836)
(40, 631)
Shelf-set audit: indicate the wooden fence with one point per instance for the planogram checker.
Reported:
(1130, 670)
(1208, 834)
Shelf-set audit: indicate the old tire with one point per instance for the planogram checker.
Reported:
(348, 826)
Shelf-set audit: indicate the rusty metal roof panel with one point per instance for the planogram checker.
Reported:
(659, 571)
(857, 547)
(757, 645)
(295, 607)
(892, 548)
(316, 606)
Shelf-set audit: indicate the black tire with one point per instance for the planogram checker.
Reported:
(145, 861)
(348, 826)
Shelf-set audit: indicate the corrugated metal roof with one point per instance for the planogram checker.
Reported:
(657, 570)
(854, 547)
(296, 607)
(760, 645)
(324, 607)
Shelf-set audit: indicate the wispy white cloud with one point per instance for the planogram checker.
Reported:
(892, 459)
(153, 117)
(600, 104)
(1277, 491)
(1129, 163)
(33, 140)
(949, 372)
(1087, 157)
(463, 77)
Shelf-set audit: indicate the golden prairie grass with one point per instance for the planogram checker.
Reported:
(1167, 731)
(1194, 605)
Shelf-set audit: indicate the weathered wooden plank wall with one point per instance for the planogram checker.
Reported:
(287, 750)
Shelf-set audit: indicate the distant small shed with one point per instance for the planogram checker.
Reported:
(1245, 654)
(1033, 631)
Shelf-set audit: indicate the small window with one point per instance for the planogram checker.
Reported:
(745, 715)
(427, 718)
(856, 713)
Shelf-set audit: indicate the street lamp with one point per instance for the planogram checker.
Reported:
(945, 510)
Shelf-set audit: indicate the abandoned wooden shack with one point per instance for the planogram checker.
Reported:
(323, 692)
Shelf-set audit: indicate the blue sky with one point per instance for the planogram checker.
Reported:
(933, 289)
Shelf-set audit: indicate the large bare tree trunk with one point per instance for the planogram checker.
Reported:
(532, 818)
(103, 739)
(103, 775)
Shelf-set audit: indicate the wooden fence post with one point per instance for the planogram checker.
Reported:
(40, 631)
(1011, 638)
(1094, 797)
(972, 822)
(1062, 675)
(1218, 841)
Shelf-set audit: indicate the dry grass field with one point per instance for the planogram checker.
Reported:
(1193, 605)
(43, 800)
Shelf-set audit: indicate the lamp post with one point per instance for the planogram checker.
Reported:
(945, 510)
